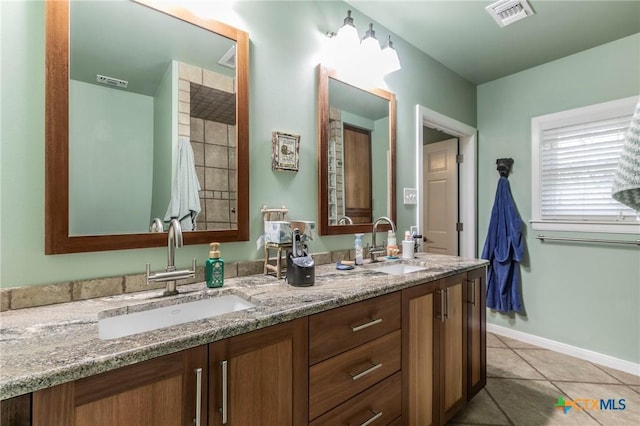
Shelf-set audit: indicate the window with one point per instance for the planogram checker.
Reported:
(574, 156)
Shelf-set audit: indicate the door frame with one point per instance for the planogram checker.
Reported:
(467, 194)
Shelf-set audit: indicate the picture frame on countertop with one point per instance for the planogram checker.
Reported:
(285, 153)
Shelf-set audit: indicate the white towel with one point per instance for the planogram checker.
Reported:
(185, 200)
(626, 180)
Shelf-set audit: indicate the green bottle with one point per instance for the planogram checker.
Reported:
(214, 267)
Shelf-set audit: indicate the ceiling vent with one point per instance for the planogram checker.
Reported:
(116, 82)
(229, 58)
(506, 12)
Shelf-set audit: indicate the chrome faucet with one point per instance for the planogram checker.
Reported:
(156, 225)
(345, 220)
(375, 251)
(171, 275)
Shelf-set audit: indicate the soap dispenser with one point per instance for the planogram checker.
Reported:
(214, 267)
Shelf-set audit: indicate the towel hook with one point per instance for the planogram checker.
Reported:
(504, 166)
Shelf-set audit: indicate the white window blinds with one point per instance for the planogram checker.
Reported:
(577, 167)
(574, 155)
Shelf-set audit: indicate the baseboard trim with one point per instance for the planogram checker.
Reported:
(584, 354)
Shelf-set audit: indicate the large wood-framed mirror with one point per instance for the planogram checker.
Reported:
(103, 189)
(356, 155)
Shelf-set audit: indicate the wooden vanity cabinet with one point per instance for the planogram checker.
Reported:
(161, 391)
(260, 378)
(476, 331)
(434, 350)
(355, 363)
(410, 357)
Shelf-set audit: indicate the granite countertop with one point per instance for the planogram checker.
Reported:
(49, 345)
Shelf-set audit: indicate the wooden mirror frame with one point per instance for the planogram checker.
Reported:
(57, 238)
(323, 157)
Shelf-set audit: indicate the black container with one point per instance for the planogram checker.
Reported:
(301, 271)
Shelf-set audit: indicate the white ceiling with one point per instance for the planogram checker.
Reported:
(465, 38)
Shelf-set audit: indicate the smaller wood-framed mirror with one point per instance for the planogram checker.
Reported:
(356, 155)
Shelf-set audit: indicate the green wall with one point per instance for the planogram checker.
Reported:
(286, 40)
(164, 124)
(110, 160)
(582, 295)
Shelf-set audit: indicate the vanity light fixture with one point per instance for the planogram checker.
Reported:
(351, 57)
(370, 47)
(347, 36)
(390, 60)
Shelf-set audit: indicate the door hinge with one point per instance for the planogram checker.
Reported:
(459, 158)
(459, 227)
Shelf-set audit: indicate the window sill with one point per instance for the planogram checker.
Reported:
(600, 227)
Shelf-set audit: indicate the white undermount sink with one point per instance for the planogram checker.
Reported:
(152, 319)
(399, 268)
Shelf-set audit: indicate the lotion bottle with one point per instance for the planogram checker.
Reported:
(358, 244)
(214, 267)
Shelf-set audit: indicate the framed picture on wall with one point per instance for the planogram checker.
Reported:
(285, 153)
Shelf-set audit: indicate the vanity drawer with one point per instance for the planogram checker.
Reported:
(344, 328)
(381, 405)
(337, 379)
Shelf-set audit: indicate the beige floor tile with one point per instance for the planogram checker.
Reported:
(503, 362)
(517, 344)
(531, 403)
(630, 415)
(557, 366)
(494, 342)
(624, 377)
(481, 410)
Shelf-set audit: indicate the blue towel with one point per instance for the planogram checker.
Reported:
(504, 248)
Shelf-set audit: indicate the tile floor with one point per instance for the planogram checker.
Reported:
(524, 382)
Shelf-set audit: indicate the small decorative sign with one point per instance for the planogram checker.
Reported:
(285, 151)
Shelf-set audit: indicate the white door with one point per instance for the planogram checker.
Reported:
(440, 197)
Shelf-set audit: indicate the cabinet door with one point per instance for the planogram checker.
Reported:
(162, 391)
(452, 337)
(260, 378)
(476, 332)
(418, 355)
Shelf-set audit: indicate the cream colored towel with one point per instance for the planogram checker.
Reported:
(185, 200)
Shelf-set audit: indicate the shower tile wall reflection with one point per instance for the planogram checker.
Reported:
(336, 170)
(207, 101)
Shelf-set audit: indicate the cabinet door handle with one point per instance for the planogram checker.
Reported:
(473, 292)
(356, 376)
(441, 315)
(372, 419)
(373, 322)
(223, 409)
(446, 304)
(198, 372)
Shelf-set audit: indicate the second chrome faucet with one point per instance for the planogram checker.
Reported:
(375, 250)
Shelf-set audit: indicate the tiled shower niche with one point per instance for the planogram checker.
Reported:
(207, 115)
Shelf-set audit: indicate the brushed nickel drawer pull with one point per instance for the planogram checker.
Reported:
(375, 417)
(371, 369)
(198, 372)
(355, 328)
(223, 409)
